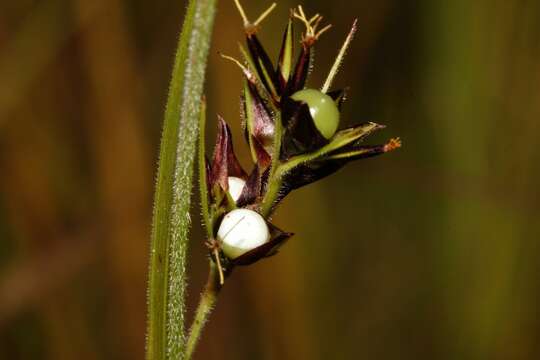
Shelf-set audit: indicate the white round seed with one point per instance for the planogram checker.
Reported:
(236, 185)
(242, 230)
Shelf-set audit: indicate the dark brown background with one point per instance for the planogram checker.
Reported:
(430, 252)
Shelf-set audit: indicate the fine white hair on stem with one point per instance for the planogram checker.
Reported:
(339, 59)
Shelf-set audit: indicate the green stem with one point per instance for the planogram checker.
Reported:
(275, 174)
(206, 304)
(274, 186)
(278, 130)
(167, 279)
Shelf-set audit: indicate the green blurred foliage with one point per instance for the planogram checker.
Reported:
(430, 252)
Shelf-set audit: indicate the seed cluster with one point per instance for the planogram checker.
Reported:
(294, 139)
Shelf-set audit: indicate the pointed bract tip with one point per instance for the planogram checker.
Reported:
(378, 126)
(247, 73)
(222, 123)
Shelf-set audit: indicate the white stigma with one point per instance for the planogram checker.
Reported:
(242, 230)
(236, 185)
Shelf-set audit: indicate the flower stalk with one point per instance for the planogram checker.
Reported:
(206, 304)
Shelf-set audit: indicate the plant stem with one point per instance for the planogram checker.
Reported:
(167, 280)
(271, 195)
(206, 304)
(275, 179)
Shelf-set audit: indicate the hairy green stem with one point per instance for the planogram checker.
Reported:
(171, 221)
(206, 304)
(274, 186)
(275, 179)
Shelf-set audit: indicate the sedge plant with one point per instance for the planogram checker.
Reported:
(294, 137)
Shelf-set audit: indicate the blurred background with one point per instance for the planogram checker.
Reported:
(430, 252)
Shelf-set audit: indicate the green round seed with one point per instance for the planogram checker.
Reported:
(322, 108)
